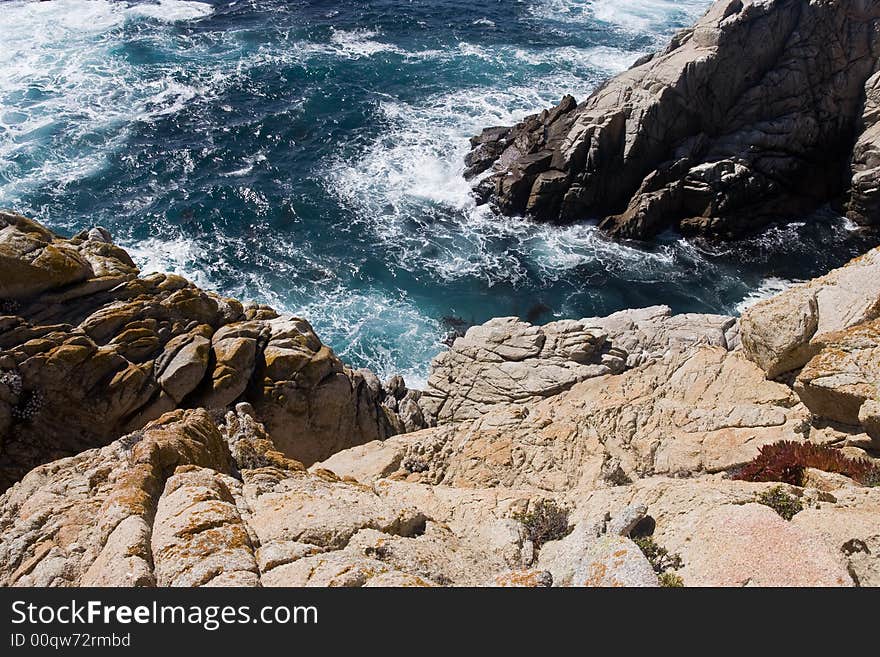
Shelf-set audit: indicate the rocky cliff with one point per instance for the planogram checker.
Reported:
(764, 110)
(89, 350)
(638, 449)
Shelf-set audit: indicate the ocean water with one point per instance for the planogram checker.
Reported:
(308, 155)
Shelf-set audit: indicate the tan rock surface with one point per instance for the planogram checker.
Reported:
(699, 410)
(90, 351)
(843, 375)
(782, 333)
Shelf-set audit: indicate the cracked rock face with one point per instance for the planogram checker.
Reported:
(692, 411)
(782, 333)
(173, 505)
(509, 361)
(824, 334)
(626, 423)
(89, 351)
(754, 114)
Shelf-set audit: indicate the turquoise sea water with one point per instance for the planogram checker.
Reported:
(309, 155)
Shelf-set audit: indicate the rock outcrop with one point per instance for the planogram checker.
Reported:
(172, 505)
(697, 410)
(764, 110)
(824, 334)
(596, 452)
(506, 360)
(89, 351)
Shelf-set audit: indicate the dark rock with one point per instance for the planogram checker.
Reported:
(747, 118)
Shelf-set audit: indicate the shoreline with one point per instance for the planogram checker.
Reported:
(157, 434)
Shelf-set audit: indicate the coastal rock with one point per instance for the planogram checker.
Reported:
(850, 530)
(582, 559)
(863, 204)
(373, 460)
(782, 333)
(172, 505)
(748, 117)
(844, 375)
(694, 410)
(89, 351)
(506, 360)
(182, 503)
(199, 537)
(777, 335)
(750, 545)
(724, 539)
(509, 361)
(33, 260)
(528, 579)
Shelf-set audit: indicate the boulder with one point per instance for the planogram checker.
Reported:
(509, 361)
(782, 333)
(776, 333)
(506, 360)
(844, 375)
(582, 559)
(750, 545)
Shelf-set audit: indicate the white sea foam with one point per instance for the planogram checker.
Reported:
(171, 10)
(359, 43)
(66, 97)
(408, 187)
(378, 329)
(650, 17)
(600, 59)
(346, 44)
(176, 255)
(769, 287)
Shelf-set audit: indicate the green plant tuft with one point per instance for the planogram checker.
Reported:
(671, 580)
(787, 506)
(546, 521)
(658, 556)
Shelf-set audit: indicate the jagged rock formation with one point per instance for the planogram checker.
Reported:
(690, 410)
(824, 334)
(90, 351)
(750, 116)
(506, 360)
(173, 505)
(629, 424)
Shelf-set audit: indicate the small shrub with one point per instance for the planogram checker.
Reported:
(671, 580)
(415, 464)
(546, 522)
(787, 506)
(786, 462)
(658, 556)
